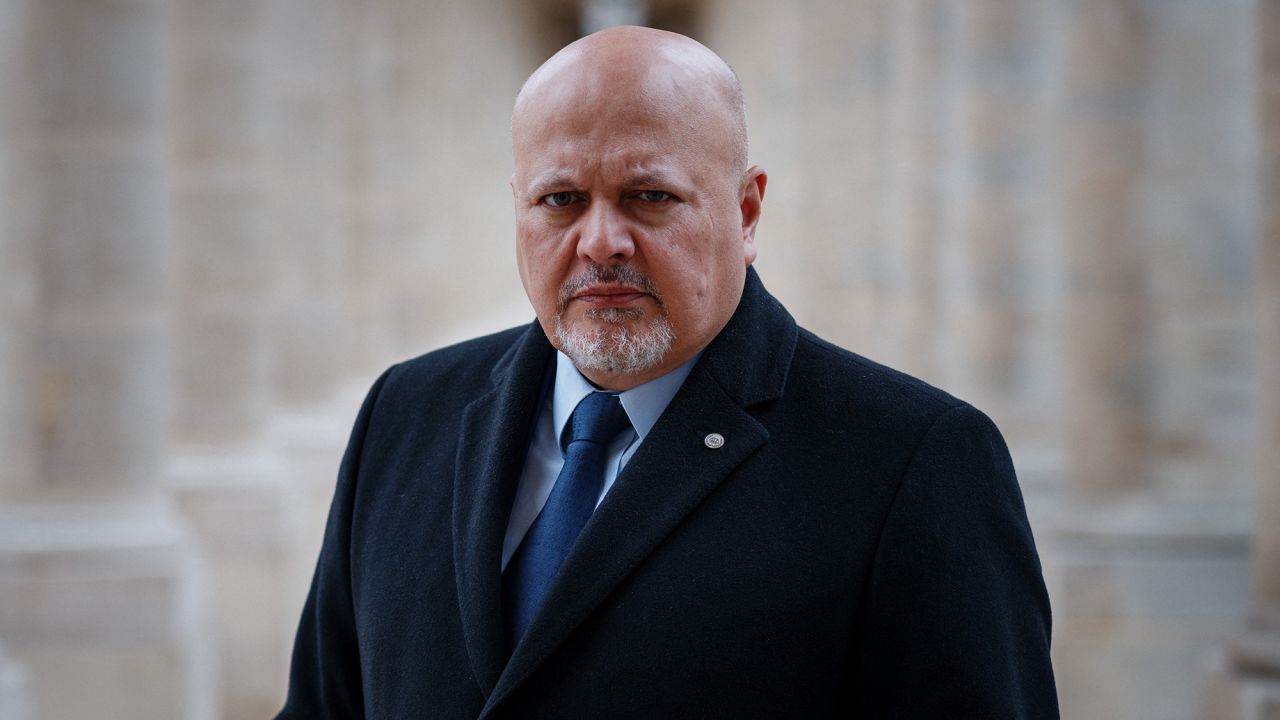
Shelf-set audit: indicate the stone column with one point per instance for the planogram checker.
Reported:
(1099, 88)
(1099, 167)
(18, 288)
(226, 263)
(997, 279)
(1200, 210)
(920, 156)
(843, 58)
(1149, 559)
(368, 206)
(303, 134)
(101, 586)
(1245, 681)
(232, 482)
(443, 160)
(1268, 522)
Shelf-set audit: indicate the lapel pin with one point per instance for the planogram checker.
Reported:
(714, 441)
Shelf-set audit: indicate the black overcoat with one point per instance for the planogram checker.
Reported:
(857, 547)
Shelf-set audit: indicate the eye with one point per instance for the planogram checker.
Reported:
(654, 196)
(558, 199)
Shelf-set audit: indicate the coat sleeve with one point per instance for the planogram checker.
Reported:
(324, 675)
(956, 618)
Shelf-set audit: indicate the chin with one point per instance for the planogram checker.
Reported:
(615, 340)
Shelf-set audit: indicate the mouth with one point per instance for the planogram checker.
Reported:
(601, 288)
(608, 295)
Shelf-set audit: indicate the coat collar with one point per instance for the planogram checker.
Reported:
(746, 364)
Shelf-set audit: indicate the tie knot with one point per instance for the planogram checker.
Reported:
(598, 418)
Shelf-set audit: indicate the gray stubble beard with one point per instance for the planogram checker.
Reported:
(617, 347)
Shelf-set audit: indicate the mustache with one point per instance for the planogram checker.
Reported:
(597, 274)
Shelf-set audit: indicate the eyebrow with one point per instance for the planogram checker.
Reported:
(650, 178)
(544, 183)
(557, 180)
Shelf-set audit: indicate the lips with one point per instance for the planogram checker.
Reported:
(610, 295)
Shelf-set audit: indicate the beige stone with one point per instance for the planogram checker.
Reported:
(1099, 130)
(225, 260)
(18, 276)
(1200, 233)
(995, 295)
(106, 598)
(221, 219)
(1268, 538)
(102, 227)
(103, 398)
(101, 69)
(15, 702)
(1142, 590)
(921, 71)
(244, 505)
(105, 610)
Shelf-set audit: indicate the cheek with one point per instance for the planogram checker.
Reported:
(696, 259)
(541, 269)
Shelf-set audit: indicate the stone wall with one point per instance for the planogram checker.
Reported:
(1051, 208)
(218, 221)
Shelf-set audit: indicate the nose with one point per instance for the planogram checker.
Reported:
(605, 236)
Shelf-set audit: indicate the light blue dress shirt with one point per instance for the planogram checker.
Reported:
(643, 403)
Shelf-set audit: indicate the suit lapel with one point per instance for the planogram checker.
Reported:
(669, 476)
(492, 444)
(672, 472)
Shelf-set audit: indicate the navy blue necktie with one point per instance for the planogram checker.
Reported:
(597, 419)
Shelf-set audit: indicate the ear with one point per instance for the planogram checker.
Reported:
(752, 198)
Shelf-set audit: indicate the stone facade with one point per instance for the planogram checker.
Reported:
(219, 220)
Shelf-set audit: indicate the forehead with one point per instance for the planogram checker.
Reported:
(605, 149)
(613, 139)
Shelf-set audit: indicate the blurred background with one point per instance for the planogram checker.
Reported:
(219, 219)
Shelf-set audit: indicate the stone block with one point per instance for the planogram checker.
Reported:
(307, 352)
(18, 449)
(1200, 97)
(243, 505)
(226, 255)
(103, 387)
(221, 373)
(219, 23)
(103, 217)
(1142, 593)
(220, 111)
(15, 700)
(108, 611)
(99, 67)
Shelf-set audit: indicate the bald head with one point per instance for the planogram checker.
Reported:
(638, 69)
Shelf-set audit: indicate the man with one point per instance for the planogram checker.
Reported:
(783, 528)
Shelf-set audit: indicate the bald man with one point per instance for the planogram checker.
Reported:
(663, 499)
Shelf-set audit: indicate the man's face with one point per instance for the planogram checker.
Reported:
(634, 228)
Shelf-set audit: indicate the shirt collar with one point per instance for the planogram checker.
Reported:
(643, 403)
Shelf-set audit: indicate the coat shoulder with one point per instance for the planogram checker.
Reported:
(848, 381)
(465, 365)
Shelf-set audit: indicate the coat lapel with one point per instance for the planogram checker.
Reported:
(672, 472)
(492, 443)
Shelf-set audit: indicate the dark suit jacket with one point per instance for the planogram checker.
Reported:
(858, 547)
